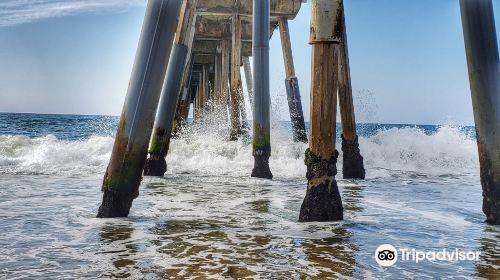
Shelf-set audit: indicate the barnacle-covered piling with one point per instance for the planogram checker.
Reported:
(323, 201)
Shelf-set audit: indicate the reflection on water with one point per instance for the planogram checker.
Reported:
(334, 256)
(117, 243)
(200, 227)
(489, 266)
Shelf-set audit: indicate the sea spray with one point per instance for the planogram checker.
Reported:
(204, 150)
(49, 155)
(448, 150)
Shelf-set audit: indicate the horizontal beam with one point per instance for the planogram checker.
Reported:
(204, 59)
(279, 8)
(216, 28)
(213, 47)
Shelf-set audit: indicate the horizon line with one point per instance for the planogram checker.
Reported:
(338, 122)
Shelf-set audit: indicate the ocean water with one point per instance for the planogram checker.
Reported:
(208, 219)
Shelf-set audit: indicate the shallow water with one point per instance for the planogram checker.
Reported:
(206, 218)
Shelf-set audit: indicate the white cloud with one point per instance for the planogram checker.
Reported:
(13, 12)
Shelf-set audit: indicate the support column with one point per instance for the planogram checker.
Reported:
(235, 78)
(352, 167)
(261, 110)
(183, 104)
(484, 76)
(322, 201)
(123, 175)
(292, 85)
(249, 78)
(193, 90)
(205, 93)
(156, 164)
(211, 81)
(243, 113)
(226, 65)
(198, 99)
(217, 81)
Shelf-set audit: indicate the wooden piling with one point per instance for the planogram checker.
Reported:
(235, 78)
(198, 99)
(292, 85)
(183, 104)
(217, 81)
(322, 201)
(243, 113)
(248, 78)
(484, 75)
(123, 175)
(261, 105)
(206, 88)
(225, 73)
(352, 167)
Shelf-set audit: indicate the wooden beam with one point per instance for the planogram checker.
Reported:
(286, 48)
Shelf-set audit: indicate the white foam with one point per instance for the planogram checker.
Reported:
(206, 152)
(49, 155)
(448, 151)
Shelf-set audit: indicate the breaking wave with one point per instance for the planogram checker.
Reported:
(448, 150)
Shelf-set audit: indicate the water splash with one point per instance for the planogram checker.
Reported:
(203, 149)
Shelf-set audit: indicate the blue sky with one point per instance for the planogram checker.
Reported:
(74, 56)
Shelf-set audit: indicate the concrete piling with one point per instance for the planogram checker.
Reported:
(123, 175)
(323, 201)
(261, 104)
(352, 167)
(484, 75)
(292, 85)
(160, 140)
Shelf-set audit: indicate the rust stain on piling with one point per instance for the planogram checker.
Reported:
(491, 189)
(118, 156)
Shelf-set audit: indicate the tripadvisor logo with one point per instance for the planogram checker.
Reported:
(387, 255)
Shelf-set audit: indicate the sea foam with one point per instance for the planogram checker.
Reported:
(449, 150)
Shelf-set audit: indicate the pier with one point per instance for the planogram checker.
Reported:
(201, 69)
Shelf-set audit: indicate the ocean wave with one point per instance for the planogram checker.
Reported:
(49, 155)
(449, 150)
